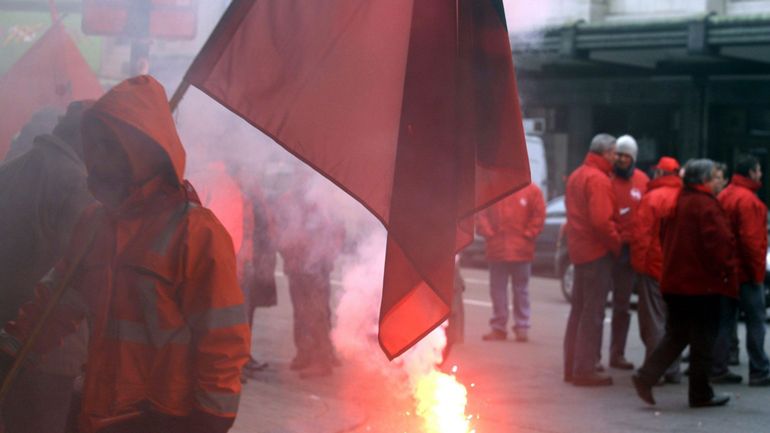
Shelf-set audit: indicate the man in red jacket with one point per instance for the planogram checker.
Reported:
(698, 269)
(628, 184)
(593, 239)
(748, 220)
(510, 227)
(647, 256)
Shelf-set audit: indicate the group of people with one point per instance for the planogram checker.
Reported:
(156, 296)
(694, 249)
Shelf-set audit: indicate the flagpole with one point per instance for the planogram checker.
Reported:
(178, 94)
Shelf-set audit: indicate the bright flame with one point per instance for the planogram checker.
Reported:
(441, 401)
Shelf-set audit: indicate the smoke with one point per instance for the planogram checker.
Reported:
(531, 17)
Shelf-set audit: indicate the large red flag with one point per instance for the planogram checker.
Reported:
(52, 73)
(410, 106)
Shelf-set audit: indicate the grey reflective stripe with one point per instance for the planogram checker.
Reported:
(164, 238)
(218, 318)
(125, 330)
(218, 402)
(158, 336)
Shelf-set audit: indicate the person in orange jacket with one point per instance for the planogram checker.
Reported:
(158, 283)
(592, 241)
(628, 184)
(510, 227)
(647, 256)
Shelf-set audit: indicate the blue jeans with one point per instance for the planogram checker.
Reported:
(499, 274)
(583, 338)
(752, 303)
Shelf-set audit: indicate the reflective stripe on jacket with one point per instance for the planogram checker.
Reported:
(511, 225)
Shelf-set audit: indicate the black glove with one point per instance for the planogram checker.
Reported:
(202, 422)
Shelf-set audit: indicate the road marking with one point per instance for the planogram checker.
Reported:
(476, 303)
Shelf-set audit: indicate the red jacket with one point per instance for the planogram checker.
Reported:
(628, 194)
(591, 228)
(658, 203)
(158, 286)
(511, 225)
(698, 247)
(748, 220)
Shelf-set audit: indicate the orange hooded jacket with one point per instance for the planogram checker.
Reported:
(158, 285)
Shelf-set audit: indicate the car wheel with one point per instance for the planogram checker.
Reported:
(568, 281)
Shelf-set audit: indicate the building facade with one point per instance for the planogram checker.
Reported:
(686, 78)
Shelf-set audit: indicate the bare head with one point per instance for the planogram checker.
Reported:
(701, 172)
(604, 145)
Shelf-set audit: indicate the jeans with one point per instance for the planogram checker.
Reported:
(752, 303)
(691, 320)
(310, 295)
(583, 338)
(652, 318)
(499, 274)
(623, 277)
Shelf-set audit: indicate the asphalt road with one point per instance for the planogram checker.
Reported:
(513, 387)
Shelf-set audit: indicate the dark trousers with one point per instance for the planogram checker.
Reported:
(692, 320)
(310, 296)
(752, 303)
(39, 403)
(583, 338)
(652, 317)
(623, 277)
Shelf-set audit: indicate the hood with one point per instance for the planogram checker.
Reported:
(137, 112)
(745, 182)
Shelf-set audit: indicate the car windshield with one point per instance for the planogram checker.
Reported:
(556, 207)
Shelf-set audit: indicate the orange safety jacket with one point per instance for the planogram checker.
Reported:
(158, 286)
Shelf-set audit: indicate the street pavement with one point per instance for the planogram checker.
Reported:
(513, 387)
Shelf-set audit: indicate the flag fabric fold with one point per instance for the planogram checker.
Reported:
(409, 106)
(52, 73)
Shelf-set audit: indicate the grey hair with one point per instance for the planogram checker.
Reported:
(698, 171)
(602, 143)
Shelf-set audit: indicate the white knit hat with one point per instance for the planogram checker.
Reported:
(627, 145)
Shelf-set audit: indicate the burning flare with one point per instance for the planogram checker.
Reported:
(441, 401)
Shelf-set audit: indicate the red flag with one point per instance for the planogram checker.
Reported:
(52, 73)
(409, 106)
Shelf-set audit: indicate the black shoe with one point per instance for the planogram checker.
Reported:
(726, 378)
(760, 381)
(642, 390)
(672, 379)
(733, 360)
(494, 335)
(717, 400)
(594, 379)
(621, 363)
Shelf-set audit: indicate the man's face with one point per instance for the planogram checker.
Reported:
(624, 161)
(719, 182)
(756, 174)
(109, 172)
(610, 154)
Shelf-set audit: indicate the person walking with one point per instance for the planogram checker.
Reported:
(592, 240)
(629, 184)
(510, 228)
(747, 215)
(157, 282)
(647, 257)
(698, 269)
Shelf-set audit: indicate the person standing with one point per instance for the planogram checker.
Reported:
(647, 256)
(629, 184)
(309, 241)
(157, 282)
(510, 228)
(698, 270)
(43, 192)
(748, 220)
(593, 239)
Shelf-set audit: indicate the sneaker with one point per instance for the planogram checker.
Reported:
(521, 335)
(621, 363)
(591, 380)
(494, 335)
(642, 390)
(726, 378)
(760, 381)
